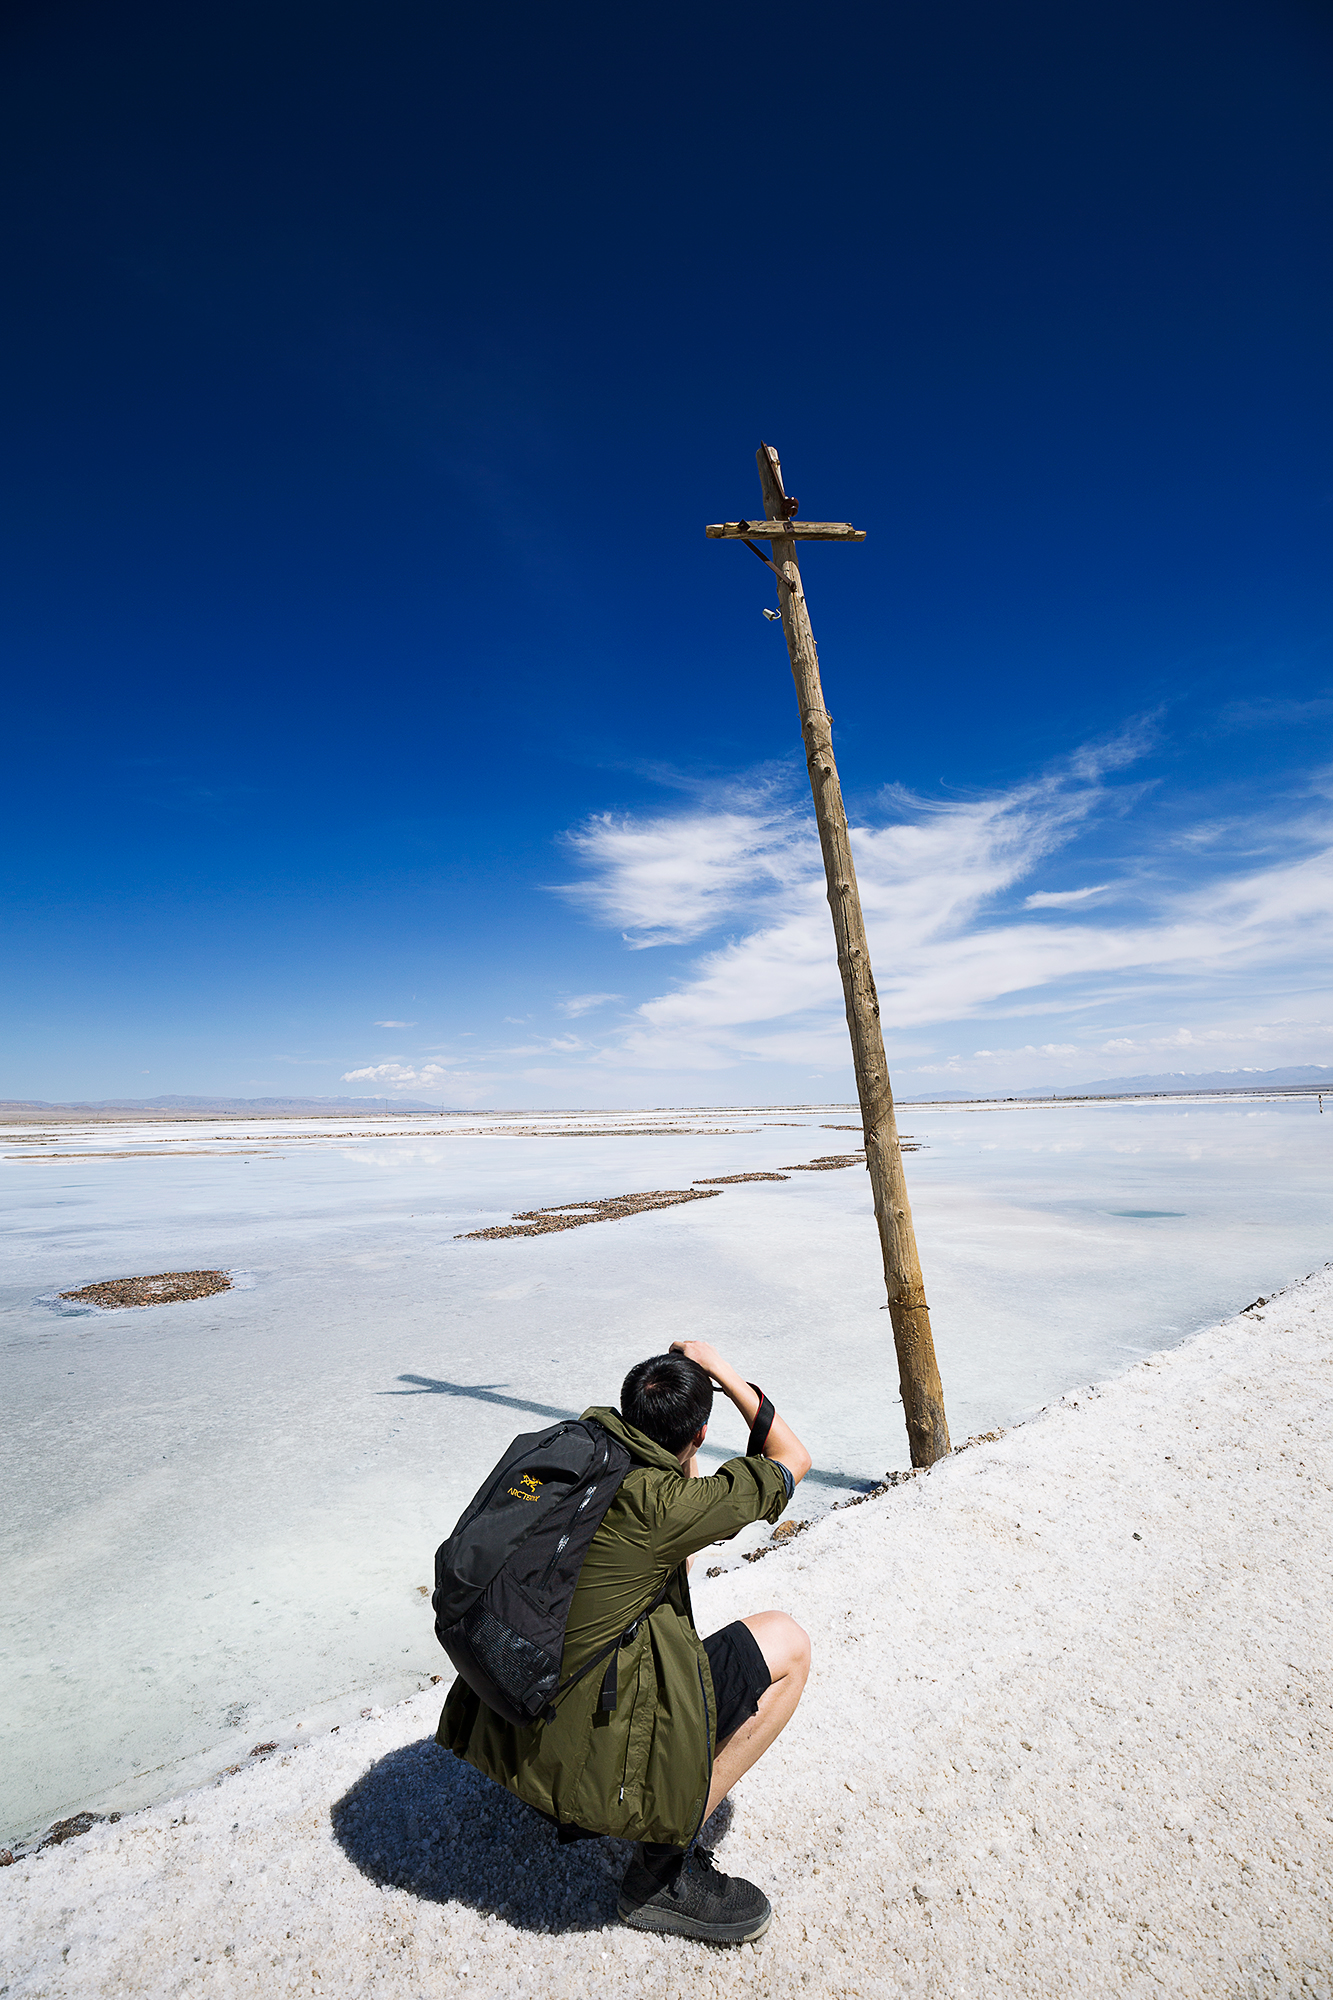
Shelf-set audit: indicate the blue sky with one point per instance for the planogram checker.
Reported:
(378, 710)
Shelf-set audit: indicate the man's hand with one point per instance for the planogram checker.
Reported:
(783, 1443)
(707, 1357)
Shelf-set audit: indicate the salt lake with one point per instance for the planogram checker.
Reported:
(220, 1516)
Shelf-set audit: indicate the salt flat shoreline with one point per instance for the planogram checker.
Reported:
(23, 1119)
(1069, 1729)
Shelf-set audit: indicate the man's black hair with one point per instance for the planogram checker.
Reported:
(669, 1398)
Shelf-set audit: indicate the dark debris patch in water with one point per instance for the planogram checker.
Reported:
(575, 1214)
(161, 1289)
(734, 1180)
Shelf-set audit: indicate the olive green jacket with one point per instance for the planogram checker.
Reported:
(642, 1770)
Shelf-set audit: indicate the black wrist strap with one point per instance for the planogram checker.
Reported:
(762, 1424)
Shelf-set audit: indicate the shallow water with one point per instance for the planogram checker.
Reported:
(219, 1515)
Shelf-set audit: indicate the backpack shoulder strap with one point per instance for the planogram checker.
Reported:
(607, 1699)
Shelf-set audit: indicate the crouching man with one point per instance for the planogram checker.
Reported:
(648, 1749)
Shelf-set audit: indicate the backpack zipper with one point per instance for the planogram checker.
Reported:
(564, 1539)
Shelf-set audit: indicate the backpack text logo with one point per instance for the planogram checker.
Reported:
(531, 1483)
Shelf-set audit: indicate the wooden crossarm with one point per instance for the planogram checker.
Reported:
(803, 531)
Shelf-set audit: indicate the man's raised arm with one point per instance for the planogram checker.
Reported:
(782, 1442)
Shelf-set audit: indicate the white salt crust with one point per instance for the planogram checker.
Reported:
(1037, 1756)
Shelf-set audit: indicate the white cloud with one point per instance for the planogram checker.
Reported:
(395, 1024)
(400, 1075)
(548, 1045)
(948, 943)
(1258, 1037)
(669, 880)
(587, 1003)
(1055, 899)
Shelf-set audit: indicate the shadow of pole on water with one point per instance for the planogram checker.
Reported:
(482, 1392)
(427, 1385)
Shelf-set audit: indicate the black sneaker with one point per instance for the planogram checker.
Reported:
(700, 1902)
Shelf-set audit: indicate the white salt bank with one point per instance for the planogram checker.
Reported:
(1068, 1732)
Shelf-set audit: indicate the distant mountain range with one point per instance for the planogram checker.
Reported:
(1313, 1076)
(1310, 1076)
(253, 1107)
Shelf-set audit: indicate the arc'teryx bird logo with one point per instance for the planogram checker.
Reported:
(526, 1479)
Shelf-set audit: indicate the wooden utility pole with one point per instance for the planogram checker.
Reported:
(918, 1374)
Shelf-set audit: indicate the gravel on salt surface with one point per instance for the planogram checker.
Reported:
(1067, 1732)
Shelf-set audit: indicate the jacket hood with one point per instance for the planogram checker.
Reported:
(640, 1447)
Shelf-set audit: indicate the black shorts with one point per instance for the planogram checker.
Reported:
(740, 1675)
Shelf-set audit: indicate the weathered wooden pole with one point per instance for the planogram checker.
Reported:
(918, 1373)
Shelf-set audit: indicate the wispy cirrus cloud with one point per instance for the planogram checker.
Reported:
(671, 879)
(588, 1003)
(952, 936)
(1058, 899)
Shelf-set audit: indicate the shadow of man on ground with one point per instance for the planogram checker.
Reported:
(422, 1820)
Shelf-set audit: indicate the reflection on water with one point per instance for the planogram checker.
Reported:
(1036, 1254)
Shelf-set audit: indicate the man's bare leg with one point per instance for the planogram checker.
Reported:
(786, 1651)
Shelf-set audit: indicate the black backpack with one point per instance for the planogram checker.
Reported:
(505, 1577)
